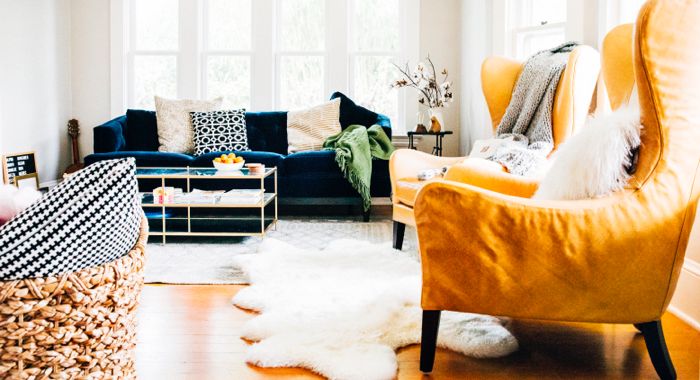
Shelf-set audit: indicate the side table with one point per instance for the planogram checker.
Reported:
(437, 149)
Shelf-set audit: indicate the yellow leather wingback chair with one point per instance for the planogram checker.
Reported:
(498, 76)
(614, 259)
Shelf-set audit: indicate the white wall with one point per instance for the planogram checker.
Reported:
(90, 84)
(35, 98)
(477, 44)
(440, 36)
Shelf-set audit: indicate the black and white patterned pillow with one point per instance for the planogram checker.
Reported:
(89, 219)
(218, 131)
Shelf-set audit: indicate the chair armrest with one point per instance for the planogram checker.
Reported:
(492, 176)
(405, 163)
(595, 260)
(109, 137)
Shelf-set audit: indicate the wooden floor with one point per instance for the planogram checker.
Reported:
(191, 332)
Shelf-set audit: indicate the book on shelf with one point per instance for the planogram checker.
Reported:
(241, 196)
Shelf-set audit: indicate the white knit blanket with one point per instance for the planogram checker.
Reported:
(527, 122)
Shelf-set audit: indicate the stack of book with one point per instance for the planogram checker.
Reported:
(241, 196)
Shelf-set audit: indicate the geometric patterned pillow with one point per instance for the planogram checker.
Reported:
(218, 131)
(90, 219)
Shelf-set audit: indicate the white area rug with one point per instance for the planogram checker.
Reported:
(210, 261)
(344, 310)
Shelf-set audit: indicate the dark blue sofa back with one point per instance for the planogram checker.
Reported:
(137, 131)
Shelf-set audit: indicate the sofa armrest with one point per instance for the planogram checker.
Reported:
(109, 137)
(384, 122)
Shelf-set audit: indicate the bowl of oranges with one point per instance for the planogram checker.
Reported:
(228, 162)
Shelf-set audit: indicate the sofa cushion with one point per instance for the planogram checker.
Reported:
(90, 219)
(141, 130)
(218, 131)
(269, 159)
(267, 131)
(316, 185)
(319, 161)
(351, 113)
(145, 159)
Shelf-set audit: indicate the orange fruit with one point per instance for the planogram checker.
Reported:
(238, 159)
(217, 160)
(231, 155)
(229, 160)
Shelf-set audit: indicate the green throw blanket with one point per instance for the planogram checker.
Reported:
(354, 148)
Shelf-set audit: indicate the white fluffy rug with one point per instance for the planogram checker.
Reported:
(343, 311)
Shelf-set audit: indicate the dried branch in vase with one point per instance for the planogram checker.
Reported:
(424, 79)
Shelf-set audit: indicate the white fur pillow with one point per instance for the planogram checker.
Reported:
(593, 162)
(13, 201)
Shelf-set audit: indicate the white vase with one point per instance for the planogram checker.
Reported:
(437, 123)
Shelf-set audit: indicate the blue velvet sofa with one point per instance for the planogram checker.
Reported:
(305, 177)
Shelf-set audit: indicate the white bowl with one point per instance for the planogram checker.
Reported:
(228, 167)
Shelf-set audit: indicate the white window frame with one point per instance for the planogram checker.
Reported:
(193, 53)
(207, 52)
(519, 29)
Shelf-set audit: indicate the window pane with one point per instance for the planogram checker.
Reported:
(156, 24)
(376, 25)
(549, 11)
(530, 43)
(373, 76)
(229, 76)
(301, 81)
(230, 24)
(301, 25)
(154, 75)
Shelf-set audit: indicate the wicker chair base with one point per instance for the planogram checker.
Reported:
(79, 325)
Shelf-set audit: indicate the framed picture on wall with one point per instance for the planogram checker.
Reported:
(20, 169)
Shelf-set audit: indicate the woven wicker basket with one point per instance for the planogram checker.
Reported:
(80, 325)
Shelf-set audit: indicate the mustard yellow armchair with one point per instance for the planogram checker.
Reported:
(498, 77)
(614, 259)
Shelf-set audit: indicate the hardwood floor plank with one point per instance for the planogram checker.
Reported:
(192, 332)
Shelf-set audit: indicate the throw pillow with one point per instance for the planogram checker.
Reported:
(14, 200)
(594, 162)
(174, 126)
(219, 131)
(91, 218)
(308, 129)
(351, 113)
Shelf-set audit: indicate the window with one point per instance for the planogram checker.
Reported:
(228, 60)
(376, 44)
(536, 25)
(301, 45)
(262, 54)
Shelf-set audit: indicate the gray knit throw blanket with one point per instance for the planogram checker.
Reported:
(527, 123)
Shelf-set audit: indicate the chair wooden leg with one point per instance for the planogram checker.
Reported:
(431, 324)
(399, 230)
(656, 345)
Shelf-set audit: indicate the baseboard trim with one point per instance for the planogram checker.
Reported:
(685, 304)
(49, 184)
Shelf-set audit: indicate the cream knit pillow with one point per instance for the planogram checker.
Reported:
(175, 132)
(308, 129)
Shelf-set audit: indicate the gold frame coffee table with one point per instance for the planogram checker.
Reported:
(180, 211)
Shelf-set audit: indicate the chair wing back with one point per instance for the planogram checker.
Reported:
(667, 71)
(572, 99)
(617, 70)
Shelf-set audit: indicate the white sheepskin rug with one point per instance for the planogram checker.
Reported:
(344, 310)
